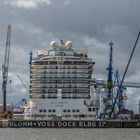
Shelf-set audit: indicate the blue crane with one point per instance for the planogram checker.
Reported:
(124, 75)
(124, 84)
(111, 99)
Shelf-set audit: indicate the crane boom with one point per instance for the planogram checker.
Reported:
(5, 67)
(24, 85)
(124, 84)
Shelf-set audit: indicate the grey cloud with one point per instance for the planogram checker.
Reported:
(90, 25)
(26, 3)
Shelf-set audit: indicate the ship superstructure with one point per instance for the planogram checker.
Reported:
(61, 85)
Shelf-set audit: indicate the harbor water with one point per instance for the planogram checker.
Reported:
(68, 134)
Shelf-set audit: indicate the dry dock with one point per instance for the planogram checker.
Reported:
(70, 124)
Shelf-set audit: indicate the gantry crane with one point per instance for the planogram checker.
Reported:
(124, 75)
(5, 67)
(112, 100)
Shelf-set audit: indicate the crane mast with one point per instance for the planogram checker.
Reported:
(5, 67)
(109, 100)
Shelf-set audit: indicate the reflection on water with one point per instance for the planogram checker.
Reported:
(68, 134)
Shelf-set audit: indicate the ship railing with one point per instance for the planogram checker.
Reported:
(71, 56)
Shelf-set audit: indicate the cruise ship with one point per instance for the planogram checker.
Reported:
(61, 84)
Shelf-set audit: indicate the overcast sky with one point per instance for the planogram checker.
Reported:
(89, 24)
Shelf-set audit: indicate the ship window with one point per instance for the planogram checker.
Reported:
(90, 116)
(52, 115)
(41, 115)
(82, 115)
(49, 110)
(64, 110)
(78, 110)
(43, 96)
(75, 91)
(93, 109)
(68, 110)
(40, 110)
(73, 110)
(67, 115)
(53, 110)
(44, 110)
(89, 109)
(75, 116)
(67, 62)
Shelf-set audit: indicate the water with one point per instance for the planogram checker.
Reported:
(68, 134)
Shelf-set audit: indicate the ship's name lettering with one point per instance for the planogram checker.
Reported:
(32, 124)
(61, 124)
(66, 124)
(87, 124)
(46, 124)
(21, 124)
